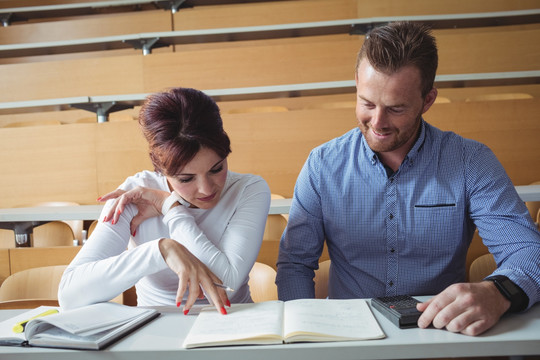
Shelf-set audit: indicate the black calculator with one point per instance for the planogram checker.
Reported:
(400, 310)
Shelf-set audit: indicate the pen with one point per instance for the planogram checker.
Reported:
(19, 327)
(226, 288)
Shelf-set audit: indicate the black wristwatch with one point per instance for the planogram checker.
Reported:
(518, 299)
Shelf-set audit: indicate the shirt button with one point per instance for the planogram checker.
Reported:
(391, 216)
(391, 283)
(392, 250)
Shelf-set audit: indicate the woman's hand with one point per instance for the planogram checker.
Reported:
(192, 274)
(148, 201)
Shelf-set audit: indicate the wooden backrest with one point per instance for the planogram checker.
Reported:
(476, 250)
(321, 279)
(76, 225)
(33, 283)
(262, 283)
(482, 267)
(54, 233)
(26, 258)
(4, 265)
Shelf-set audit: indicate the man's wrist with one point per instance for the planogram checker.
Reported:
(517, 297)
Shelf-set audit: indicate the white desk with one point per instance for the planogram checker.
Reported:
(23, 220)
(517, 334)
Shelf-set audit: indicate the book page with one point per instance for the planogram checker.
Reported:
(255, 323)
(330, 320)
(92, 319)
(6, 326)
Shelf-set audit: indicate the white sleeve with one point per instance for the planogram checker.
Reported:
(103, 268)
(233, 258)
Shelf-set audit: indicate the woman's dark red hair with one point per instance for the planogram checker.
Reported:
(177, 124)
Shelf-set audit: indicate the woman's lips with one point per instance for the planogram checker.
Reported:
(208, 198)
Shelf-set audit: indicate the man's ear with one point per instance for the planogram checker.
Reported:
(429, 99)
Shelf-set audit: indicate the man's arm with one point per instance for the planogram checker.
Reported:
(505, 227)
(302, 242)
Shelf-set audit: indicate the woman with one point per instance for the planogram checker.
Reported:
(191, 221)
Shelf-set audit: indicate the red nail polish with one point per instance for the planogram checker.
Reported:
(223, 311)
(186, 312)
(228, 303)
(134, 232)
(99, 198)
(178, 304)
(105, 219)
(112, 222)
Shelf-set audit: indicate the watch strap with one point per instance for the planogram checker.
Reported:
(518, 298)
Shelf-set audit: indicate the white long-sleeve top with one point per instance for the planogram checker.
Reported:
(226, 238)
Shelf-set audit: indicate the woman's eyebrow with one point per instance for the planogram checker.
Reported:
(213, 166)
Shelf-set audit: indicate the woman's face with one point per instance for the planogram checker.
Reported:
(201, 181)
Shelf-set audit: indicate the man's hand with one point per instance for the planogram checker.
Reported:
(467, 308)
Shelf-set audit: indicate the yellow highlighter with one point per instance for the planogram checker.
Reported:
(19, 327)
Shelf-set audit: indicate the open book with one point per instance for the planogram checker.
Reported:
(277, 322)
(90, 327)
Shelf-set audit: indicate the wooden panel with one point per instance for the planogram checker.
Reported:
(281, 12)
(288, 61)
(265, 13)
(26, 258)
(488, 51)
(121, 151)
(4, 265)
(79, 162)
(510, 128)
(276, 145)
(266, 63)
(87, 27)
(70, 78)
(47, 163)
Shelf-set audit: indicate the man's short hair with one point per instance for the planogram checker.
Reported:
(389, 48)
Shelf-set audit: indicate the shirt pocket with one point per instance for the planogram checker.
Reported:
(436, 227)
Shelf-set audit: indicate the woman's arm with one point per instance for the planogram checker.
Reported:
(232, 259)
(104, 268)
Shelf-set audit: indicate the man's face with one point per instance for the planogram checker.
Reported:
(389, 107)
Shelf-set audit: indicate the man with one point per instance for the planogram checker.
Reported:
(398, 201)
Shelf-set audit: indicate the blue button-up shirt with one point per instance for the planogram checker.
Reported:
(407, 232)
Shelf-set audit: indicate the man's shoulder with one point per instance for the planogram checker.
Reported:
(450, 140)
(341, 143)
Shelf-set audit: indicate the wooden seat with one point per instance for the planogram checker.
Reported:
(261, 282)
(482, 267)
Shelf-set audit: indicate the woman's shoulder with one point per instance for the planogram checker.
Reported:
(236, 180)
(144, 178)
